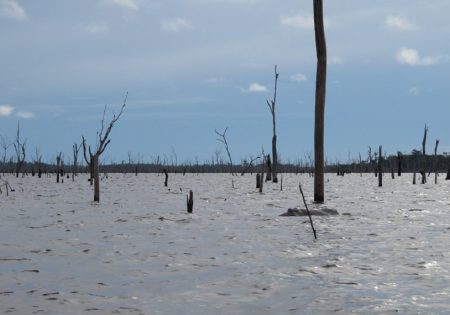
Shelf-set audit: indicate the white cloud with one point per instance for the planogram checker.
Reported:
(175, 25)
(255, 87)
(301, 21)
(97, 28)
(11, 9)
(127, 4)
(411, 57)
(414, 91)
(335, 61)
(25, 115)
(298, 21)
(299, 77)
(399, 23)
(6, 110)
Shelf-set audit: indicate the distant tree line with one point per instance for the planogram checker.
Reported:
(408, 163)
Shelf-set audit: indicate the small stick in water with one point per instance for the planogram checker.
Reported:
(307, 210)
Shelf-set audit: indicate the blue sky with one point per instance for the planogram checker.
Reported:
(195, 65)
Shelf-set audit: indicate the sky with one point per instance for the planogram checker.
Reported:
(193, 66)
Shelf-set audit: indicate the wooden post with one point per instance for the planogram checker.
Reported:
(321, 78)
(190, 202)
(380, 169)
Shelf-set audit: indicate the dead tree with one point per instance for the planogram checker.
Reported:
(19, 147)
(38, 162)
(261, 177)
(249, 166)
(88, 161)
(379, 168)
(76, 149)
(436, 162)
(269, 168)
(424, 157)
(321, 78)
(102, 143)
(5, 144)
(399, 161)
(271, 105)
(223, 139)
(58, 166)
(166, 177)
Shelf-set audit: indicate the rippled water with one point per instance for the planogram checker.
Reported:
(138, 252)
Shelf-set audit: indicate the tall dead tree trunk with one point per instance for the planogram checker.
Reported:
(380, 168)
(58, 166)
(88, 161)
(102, 142)
(424, 157)
(76, 149)
(19, 147)
(271, 105)
(321, 78)
(399, 163)
(436, 172)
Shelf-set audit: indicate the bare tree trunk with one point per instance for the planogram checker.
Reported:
(96, 168)
(380, 169)
(223, 139)
(399, 160)
(272, 105)
(19, 147)
(190, 202)
(269, 169)
(321, 77)
(424, 157)
(436, 162)
(58, 166)
(166, 175)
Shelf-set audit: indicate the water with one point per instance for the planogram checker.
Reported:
(138, 252)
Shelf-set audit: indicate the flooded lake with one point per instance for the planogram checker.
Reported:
(139, 252)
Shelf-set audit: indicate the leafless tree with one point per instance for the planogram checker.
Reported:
(101, 144)
(424, 157)
(321, 78)
(58, 166)
(271, 105)
(38, 161)
(88, 161)
(5, 144)
(436, 172)
(379, 168)
(19, 147)
(75, 149)
(223, 139)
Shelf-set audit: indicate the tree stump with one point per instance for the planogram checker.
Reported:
(190, 201)
(166, 177)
